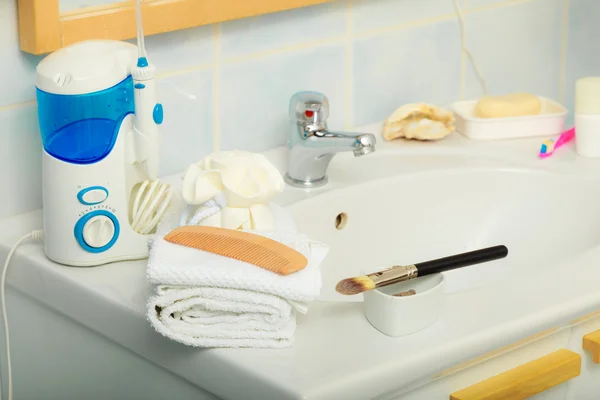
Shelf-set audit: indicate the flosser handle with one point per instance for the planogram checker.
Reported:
(148, 115)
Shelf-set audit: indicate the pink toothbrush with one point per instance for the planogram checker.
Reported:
(548, 146)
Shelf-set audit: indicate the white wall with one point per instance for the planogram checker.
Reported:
(228, 85)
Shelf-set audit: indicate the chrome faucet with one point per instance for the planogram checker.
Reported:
(312, 145)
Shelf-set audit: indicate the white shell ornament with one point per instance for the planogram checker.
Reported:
(419, 121)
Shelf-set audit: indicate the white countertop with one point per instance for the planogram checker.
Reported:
(337, 353)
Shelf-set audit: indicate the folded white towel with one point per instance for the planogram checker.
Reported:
(176, 265)
(207, 300)
(215, 317)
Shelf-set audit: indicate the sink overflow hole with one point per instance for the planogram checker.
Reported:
(341, 220)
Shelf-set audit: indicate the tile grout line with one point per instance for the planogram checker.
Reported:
(216, 88)
(562, 78)
(463, 76)
(349, 70)
(17, 105)
(284, 49)
(492, 6)
(439, 18)
(176, 72)
(407, 25)
(463, 64)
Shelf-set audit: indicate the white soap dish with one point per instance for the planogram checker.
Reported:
(550, 121)
(404, 315)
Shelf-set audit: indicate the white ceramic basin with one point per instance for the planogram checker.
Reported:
(408, 217)
(405, 203)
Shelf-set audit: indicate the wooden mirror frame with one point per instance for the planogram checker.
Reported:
(43, 29)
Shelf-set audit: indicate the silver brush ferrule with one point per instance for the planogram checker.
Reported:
(394, 275)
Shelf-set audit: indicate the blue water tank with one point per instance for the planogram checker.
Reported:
(84, 91)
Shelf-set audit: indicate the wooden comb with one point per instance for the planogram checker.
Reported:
(243, 246)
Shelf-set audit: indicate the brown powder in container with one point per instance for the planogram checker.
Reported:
(407, 293)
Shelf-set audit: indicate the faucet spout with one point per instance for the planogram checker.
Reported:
(312, 145)
(336, 142)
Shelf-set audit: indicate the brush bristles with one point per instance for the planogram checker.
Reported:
(356, 285)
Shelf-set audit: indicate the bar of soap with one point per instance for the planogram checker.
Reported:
(510, 105)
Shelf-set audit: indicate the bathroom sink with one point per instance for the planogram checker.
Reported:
(420, 211)
(405, 203)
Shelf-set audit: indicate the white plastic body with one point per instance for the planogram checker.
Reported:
(550, 121)
(86, 67)
(587, 138)
(62, 182)
(147, 141)
(404, 315)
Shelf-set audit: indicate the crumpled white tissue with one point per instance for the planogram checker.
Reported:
(244, 182)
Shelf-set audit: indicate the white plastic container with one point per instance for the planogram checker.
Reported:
(401, 316)
(587, 116)
(550, 121)
(587, 141)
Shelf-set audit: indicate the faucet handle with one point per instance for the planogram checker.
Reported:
(309, 108)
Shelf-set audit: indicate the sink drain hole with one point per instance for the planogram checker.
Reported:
(341, 220)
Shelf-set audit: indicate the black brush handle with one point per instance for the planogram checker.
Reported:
(461, 260)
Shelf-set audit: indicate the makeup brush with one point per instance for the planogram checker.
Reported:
(397, 274)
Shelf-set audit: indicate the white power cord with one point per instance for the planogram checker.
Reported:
(151, 201)
(463, 43)
(39, 235)
(193, 214)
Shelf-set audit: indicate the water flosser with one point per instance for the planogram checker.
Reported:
(148, 113)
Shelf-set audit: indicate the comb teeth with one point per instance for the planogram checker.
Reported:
(243, 246)
(233, 248)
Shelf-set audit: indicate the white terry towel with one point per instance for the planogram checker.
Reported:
(176, 265)
(216, 317)
(207, 300)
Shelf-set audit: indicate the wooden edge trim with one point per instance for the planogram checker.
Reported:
(117, 21)
(39, 25)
